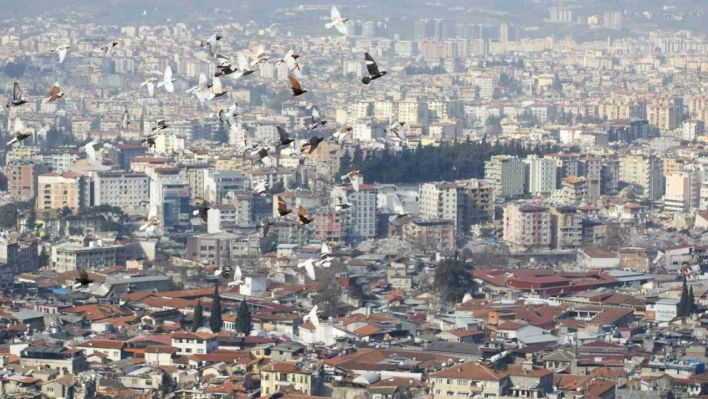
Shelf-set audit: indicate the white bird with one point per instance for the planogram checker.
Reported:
(341, 201)
(398, 129)
(238, 277)
(398, 209)
(20, 132)
(263, 156)
(167, 80)
(150, 83)
(125, 121)
(261, 187)
(467, 298)
(325, 256)
(91, 151)
(353, 178)
(229, 115)
(297, 147)
(312, 317)
(205, 91)
(316, 119)
(342, 135)
(338, 22)
(290, 60)
(108, 48)
(152, 220)
(61, 50)
(145, 13)
(261, 56)
(212, 43)
(309, 266)
(244, 69)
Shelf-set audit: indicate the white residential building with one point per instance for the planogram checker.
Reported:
(189, 343)
(121, 189)
(541, 175)
(507, 175)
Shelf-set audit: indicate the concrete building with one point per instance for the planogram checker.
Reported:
(170, 192)
(644, 171)
(189, 343)
(22, 179)
(121, 189)
(436, 234)
(465, 203)
(219, 183)
(693, 129)
(218, 248)
(527, 226)
(507, 175)
(679, 193)
(460, 379)
(86, 255)
(64, 360)
(566, 228)
(360, 220)
(612, 20)
(56, 191)
(276, 375)
(540, 175)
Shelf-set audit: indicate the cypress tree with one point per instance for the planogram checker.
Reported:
(690, 304)
(681, 309)
(198, 318)
(243, 319)
(215, 318)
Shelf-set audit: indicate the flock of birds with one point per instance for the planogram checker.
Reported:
(205, 91)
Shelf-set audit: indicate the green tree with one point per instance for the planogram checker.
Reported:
(243, 319)
(221, 135)
(31, 222)
(198, 318)
(215, 318)
(43, 257)
(690, 304)
(8, 214)
(453, 279)
(345, 164)
(681, 309)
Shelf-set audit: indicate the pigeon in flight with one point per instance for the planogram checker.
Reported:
(20, 132)
(16, 100)
(225, 271)
(83, 279)
(290, 61)
(160, 125)
(152, 220)
(342, 135)
(150, 83)
(224, 66)
(261, 187)
(296, 88)
(264, 157)
(317, 121)
(212, 43)
(265, 226)
(283, 209)
(202, 209)
(108, 48)
(149, 139)
(312, 317)
(167, 80)
(398, 129)
(297, 148)
(283, 137)
(309, 266)
(244, 69)
(91, 151)
(373, 70)
(353, 178)
(341, 201)
(325, 256)
(261, 56)
(303, 217)
(125, 121)
(61, 50)
(398, 208)
(338, 22)
(55, 94)
(311, 144)
(290, 55)
(229, 115)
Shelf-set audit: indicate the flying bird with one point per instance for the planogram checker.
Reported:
(202, 209)
(55, 94)
(150, 83)
(316, 119)
(325, 256)
(91, 151)
(373, 70)
(312, 317)
(225, 271)
(297, 148)
(167, 80)
(261, 56)
(264, 157)
(212, 43)
(342, 135)
(83, 279)
(309, 266)
(353, 178)
(261, 187)
(229, 115)
(341, 201)
(398, 129)
(283, 137)
(296, 88)
(108, 48)
(290, 60)
(16, 100)
(338, 22)
(238, 277)
(398, 209)
(149, 139)
(302, 216)
(311, 145)
(244, 69)
(283, 207)
(224, 66)
(160, 125)
(125, 121)
(20, 132)
(61, 50)
(265, 226)
(152, 220)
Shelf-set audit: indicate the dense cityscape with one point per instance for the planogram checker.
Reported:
(419, 200)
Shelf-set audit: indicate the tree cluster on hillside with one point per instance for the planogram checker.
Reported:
(9, 213)
(434, 163)
(114, 219)
(687, 304)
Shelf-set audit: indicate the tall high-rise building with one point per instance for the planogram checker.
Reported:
(56, 191)
(527, 226)
(508, 33)
(646, 172)
(612, 20)
(680, 196)
(440, 29)
(541, 175)
(466, 203)
(561, 15)
(122, 189)
(170, 192)
(22, 178)
(368, 29)
(507, 175)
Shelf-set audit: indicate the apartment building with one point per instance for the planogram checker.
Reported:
(679, 193)
(644, 171)
(527, 226)
(59, 190)
(566, 227)
(540, 175)
(360, 220)
(189, 343)
(22, 178)
(435, 234)
(122, 189)
(507, 175)
(276, 375)
(71, 255)
(465, 203)
(469, 379)
(170, 192)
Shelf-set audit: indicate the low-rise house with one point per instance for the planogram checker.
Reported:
(276, 376)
